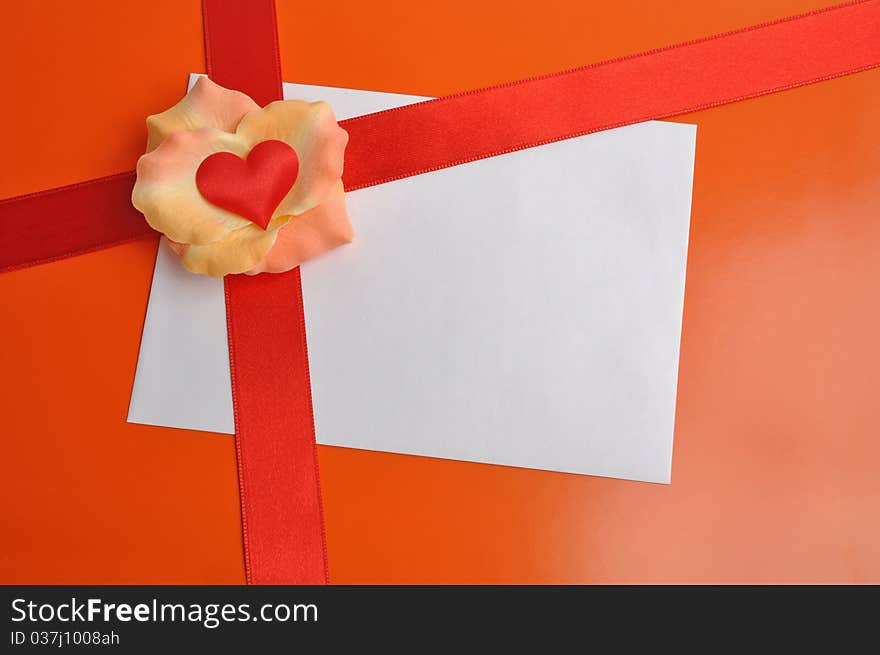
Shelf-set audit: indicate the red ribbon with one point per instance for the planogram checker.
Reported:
(70, 220)
(667, 82)
(281, 508)
(281, 511)
(793, 52)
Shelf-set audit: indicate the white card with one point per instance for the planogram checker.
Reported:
(522, 310)
(182, 378)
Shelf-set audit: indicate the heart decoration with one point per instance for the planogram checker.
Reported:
(253, 187)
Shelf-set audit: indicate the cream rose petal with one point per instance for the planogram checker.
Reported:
(166, 192)
(240, 251)
(312, 130)
(206, 105)
(318, 230)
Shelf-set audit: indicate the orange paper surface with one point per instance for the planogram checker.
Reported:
(775, 470)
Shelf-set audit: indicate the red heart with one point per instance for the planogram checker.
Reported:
(253, 187)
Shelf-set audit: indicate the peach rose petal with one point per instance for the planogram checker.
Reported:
(312, 130)
(177, 248)
(166, 192)
(310, 234)
(312, 217)
(240, 251)
(206, 105)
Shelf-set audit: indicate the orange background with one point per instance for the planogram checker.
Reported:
(775, 475)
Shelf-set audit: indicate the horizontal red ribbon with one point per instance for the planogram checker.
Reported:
(427, 136)
(70, 220)
(688, 77)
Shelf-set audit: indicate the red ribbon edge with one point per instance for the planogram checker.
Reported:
(281, 510)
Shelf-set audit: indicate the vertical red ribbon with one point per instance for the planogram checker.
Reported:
(282, 516)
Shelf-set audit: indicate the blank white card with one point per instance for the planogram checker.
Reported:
(522, 310)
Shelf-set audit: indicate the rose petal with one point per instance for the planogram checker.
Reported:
(240, 251)
(206, 105)
(166, 191)
(177, 248)
(310, 234)
(312, 130)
